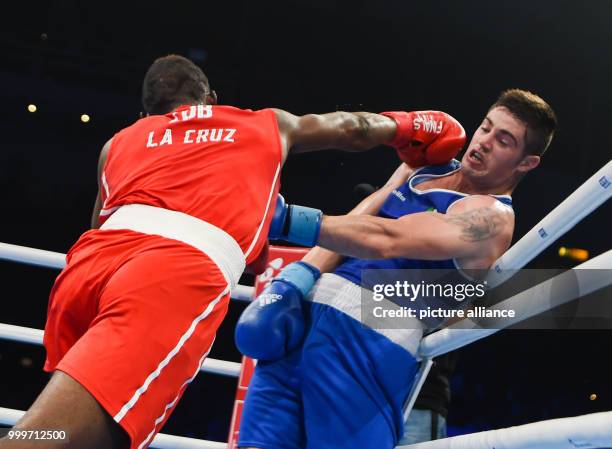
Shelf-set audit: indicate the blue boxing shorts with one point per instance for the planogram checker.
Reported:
(343, 388)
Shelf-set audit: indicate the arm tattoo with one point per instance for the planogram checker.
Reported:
(478, 224)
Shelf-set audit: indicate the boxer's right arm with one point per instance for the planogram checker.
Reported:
(420, 137)
(95, 216)
(351, 131)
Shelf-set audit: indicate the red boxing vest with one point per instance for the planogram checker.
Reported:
(217, 163)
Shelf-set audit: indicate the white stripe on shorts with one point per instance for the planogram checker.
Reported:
(155, 374)
(173, 402)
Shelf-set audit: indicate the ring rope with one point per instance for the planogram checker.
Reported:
(52, 259)
(588, 277)
(585, 199)
(35, 336)
(580, 432)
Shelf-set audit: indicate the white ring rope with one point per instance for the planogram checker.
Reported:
(9, 417)
(32, 256)
(419, 379)
(579, 432)
(51, 259)
(35, 336)
(585, 199)
(587, 277)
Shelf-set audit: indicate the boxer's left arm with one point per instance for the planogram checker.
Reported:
(95, 216)
(475, 232)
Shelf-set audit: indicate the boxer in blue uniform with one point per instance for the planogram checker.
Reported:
(345, 384)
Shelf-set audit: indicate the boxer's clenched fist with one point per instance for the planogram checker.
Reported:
(273, 324)
(426, 137)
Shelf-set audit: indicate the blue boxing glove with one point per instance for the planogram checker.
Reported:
(273, 324)
(295, 224)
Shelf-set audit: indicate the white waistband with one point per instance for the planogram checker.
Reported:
(344, 295)
(212, 241)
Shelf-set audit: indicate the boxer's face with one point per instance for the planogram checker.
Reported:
(495, 155)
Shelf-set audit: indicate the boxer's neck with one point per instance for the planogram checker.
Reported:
(458, 182)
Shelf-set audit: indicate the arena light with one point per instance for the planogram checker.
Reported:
(26, 362)
(32, 108)
(593, 397)
(578, 254)
(85, 118)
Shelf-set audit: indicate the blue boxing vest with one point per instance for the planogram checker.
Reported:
(408, 200)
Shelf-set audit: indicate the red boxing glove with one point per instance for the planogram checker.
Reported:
(426, 137)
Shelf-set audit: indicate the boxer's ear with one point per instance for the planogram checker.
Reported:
(211, 97)
(528, 163)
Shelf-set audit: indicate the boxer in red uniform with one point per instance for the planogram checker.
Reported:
(185, 203)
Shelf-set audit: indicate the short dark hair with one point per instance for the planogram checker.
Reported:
(171, 81)
(539, 117)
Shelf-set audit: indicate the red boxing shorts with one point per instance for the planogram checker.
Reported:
(132, 317)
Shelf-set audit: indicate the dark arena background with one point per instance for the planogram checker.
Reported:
(70, 58)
